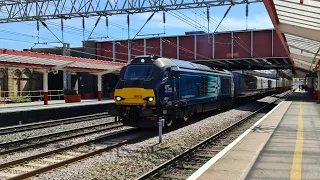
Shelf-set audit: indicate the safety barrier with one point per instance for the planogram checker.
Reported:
(14, 96)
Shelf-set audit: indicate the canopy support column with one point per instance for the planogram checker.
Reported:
(99, 87)
(309, 85)
(45, 87)
(318, 87)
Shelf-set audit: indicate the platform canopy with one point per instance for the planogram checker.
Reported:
(248, 63)
(298, 25)
(56, 62)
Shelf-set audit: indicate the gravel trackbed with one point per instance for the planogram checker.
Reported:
(133, 160)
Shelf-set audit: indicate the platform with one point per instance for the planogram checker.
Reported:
(284, 144)
(12, 114)
(28, 106)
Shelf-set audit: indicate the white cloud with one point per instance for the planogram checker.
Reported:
(261, 21)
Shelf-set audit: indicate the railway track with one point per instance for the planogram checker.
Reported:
(185, 164)
(40, 163)
(51, 123)
(33, 142)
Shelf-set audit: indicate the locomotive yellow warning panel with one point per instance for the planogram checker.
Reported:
(134, 96)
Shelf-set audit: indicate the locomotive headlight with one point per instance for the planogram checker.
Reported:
(118, 98)
(149, 99)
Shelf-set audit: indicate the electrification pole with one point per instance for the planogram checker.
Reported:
(66, 74)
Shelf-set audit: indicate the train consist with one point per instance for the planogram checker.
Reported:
(152, 87)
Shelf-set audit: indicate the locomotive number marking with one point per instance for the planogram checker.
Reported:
(137, 96)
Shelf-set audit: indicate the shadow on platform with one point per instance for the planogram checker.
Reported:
(302, 96)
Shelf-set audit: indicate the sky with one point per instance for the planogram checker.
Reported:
(23, 35)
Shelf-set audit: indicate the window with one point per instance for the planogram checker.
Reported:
(166, 74)
(138, 72)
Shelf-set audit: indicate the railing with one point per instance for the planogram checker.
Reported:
(32, 95)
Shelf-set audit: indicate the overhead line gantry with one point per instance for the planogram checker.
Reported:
(31, 10)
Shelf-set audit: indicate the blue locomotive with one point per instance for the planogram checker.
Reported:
(150, 87)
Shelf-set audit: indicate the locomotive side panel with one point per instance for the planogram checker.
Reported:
(259, 83)
(264, 83)
(188, 88)
(194, 87)
(274, 83)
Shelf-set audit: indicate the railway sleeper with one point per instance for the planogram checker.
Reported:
(176, 176)
(189, 167)
(205, 155)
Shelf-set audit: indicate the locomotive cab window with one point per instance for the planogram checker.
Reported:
(139, 72)
(166, 74)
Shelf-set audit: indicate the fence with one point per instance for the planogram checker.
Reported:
(11, 96)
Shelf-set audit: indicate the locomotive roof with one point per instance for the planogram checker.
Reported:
(160, 62)
(195, 66)
(190, 65)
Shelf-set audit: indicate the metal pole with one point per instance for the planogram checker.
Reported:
(65, 80)
(129, 42)
(318, 87)
(277, 82)
(66, 74)
(45, 87)
(99, 87)
(161, 124)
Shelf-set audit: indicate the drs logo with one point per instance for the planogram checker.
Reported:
(167, 89)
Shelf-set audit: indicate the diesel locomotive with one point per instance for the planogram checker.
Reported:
(152, 87)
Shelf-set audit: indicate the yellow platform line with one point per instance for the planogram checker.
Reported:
(297, 158)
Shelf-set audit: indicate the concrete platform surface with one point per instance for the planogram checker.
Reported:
(38, 105)
(14, 114)
(284, 145)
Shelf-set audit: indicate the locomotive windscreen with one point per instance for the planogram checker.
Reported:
(139, 72)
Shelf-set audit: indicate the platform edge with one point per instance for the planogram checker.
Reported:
(213, 160)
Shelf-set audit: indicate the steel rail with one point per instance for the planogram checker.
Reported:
(116, 135)
(25, 140)
(51, 123)
(216, 136)
(113, 125)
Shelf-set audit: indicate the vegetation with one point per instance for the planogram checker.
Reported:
(21, 99)
(69, 92)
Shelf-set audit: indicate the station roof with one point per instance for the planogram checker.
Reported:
(48, 61)
(298, 25)
(248, 63)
